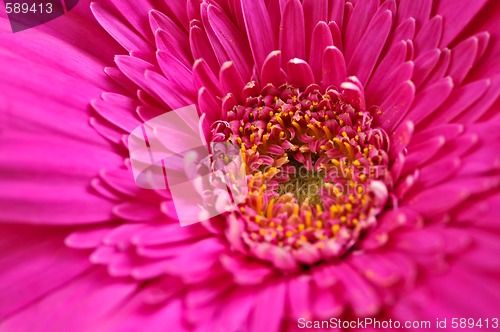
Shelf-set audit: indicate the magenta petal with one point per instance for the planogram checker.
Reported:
(403, 32)
(370, 46)
(462, 59)
(272, 71)
(111, 108)
(271, 298)
(321, 39)
(315, 11)
(400, 75)
(334, 67)
(358, 23)
(430, 99)
(401, 137)
(300, 73)
(204, 77)
(57, 190)
(201, 48)
(363, 298)
(429, 37)
(475, 112)
(292, 33)
(395, 107)
(231, 40)
(130, 40)
(422, 152)
(424, 65)
(336, 14)
(299, 297)
(460, 100)
(440, 171)
(389, 64)
(179, 76)
(230, 79)
(166, 91)
(258, 26)
(419, 10)
(457, 15)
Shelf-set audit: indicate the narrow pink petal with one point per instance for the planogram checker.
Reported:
(87, 238)
(230, 79)
(179, 76)
(422, 152)
(134, 68)
(137, 211)
(165, 43)
(447, 196)
(363, 299)
(134, 12)
(258, 25)
(315, 11)
(42, 263)
(201, 48)
(209, 105)
(292, 34)
(396, 106)
(439, 172)
(361, 16)
(404, 31)
(176, 9)
(401, 137)
(457, 15)
(321, 39)
(429, 37)
(167, 91)
(425, 241)
(274, 10)
(460, 100)
(272, 71)
(203, 77)
(111, 133)
(370, 46)
(440, 69)
(475, 112)
(171, 233)
(389, 64)
(299, 297)
(117, 75)
(235, 311)
(419, 10)
(462, 59)
(245, 271)
(430, 99)
(327, 303)
(300, 73)
(219, 50)
(98, 297)
(270, 298)
(336, 35)
(336, 12)
(57, 188)
(400, 75)
(424, 65)
(231, 40)
(118, 110)
(130, 40)
(334, 67)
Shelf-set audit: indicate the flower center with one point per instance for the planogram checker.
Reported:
(316, 169)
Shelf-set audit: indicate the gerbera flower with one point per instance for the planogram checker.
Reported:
(369, 133)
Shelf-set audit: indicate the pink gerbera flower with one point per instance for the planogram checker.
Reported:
(369, 132)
